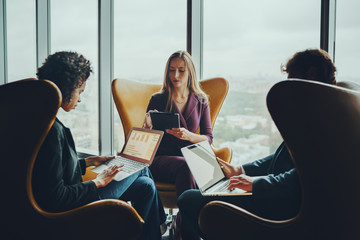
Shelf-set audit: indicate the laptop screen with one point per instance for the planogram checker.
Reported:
(142, 144)
(203, 164)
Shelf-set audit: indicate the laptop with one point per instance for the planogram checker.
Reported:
(138, 152)
(207, 171)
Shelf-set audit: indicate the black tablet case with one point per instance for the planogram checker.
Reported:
(164, 120)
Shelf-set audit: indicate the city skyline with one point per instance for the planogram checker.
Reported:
(246, 44)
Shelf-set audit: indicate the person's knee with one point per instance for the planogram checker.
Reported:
(188, 200)
(145, 172)
(147, 184)
(183, 169)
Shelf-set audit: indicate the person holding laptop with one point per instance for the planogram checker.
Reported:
(181, 94)
(57, 181)
(273, 180)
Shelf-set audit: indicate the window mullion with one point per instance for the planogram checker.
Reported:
(43, 29)
(197, 35)
(3, 52)
(332, 28)
(105, 76)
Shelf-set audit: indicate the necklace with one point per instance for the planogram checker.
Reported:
(179, 102)
(181, 98)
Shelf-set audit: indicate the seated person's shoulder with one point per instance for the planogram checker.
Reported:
(57, 126)
(56, 131)
(159, 99)
(159, 95)
(203, 100)
(349, 85)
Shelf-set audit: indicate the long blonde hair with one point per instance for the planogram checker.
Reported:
(193, 83)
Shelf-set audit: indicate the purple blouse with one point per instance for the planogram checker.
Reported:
(196, 113)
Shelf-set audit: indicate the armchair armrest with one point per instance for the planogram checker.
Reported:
(89, 175)
(221, 220)
(103, 219)
(224, 153)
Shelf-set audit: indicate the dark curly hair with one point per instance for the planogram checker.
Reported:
(68, 70)
(316, 60)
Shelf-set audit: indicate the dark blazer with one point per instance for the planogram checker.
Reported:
(57, 175)
(196, 114)
(280, 182)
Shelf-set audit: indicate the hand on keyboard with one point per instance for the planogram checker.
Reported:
(130, 166)
(106, 176)
(242, 181)
(97, 160)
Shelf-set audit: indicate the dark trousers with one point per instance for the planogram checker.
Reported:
(140, 189)
(173, 169)
(191, 202)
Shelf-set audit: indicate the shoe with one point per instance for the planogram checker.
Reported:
(163, 228)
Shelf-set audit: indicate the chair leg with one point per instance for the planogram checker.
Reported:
(170, 222)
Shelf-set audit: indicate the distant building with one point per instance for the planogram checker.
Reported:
(248, 149)
(247, 122)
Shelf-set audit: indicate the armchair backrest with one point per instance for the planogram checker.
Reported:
(28, 109)
(132, 98)
(217, 90)
(320, 125)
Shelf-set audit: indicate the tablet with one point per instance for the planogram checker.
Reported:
(164, 120)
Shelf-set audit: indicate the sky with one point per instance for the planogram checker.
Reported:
(241, 38)
(243, 41)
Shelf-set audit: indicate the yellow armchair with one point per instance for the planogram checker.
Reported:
(131, 99)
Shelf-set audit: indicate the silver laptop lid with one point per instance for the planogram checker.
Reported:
(203, 164)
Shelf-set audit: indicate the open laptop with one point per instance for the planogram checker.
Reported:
(138, 152)
(207, 171)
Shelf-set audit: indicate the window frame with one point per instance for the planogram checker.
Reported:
(105, 50)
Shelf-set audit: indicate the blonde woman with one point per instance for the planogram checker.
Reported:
(181, 93)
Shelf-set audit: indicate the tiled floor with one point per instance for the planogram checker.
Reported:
(169, 234)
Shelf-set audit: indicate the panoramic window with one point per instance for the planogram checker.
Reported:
(246, 44)
(347, 49)
(76, 29)
(21, 34)
(143, 41)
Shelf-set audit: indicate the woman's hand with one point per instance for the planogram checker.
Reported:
(147, 121)
(106, 176)
(228, 169)
(242, 181)
(97, 160)
(181, 133)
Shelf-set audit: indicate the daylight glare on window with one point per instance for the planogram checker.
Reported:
(21, 34)
(143, 41)
(246, 44)
(347, 50)
(73, 29)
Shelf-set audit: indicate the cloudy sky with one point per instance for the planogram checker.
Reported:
(241, 38)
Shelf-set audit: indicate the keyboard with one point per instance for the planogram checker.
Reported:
(130, 166)
(221, 187)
